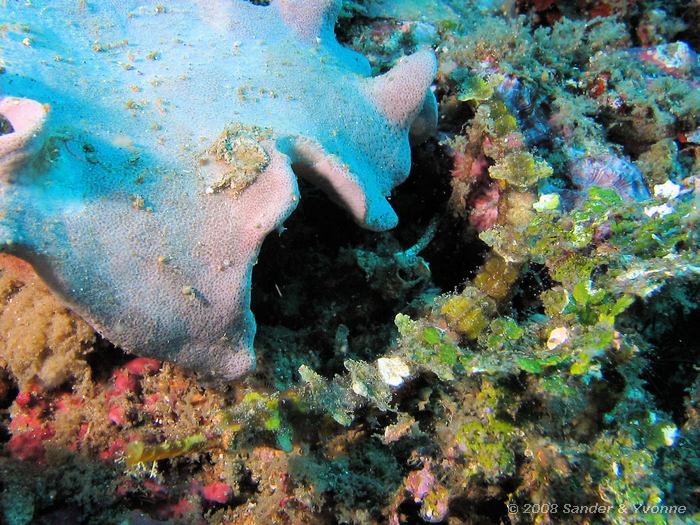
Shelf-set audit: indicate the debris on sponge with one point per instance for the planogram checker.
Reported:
(241, 149)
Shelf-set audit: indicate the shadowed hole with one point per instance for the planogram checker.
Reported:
(5, 126)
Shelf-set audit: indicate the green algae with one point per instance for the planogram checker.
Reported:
(520, 169)
(472, 88)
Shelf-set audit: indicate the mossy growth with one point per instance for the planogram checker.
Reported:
(367, 382)
(471, 87)
(469, 312)
(521, 169)
(496, 277)
(488, 440)
(660, 162)
(501, 121)
(330, 397)
(41, 340)
(503, 333)
(240, 147)
(360, 475)
(594, 235)
(487, 448)
(507, 242)
(261, 412)
(429, 348)
(626, 477)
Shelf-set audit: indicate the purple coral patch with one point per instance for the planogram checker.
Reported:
(610, 171)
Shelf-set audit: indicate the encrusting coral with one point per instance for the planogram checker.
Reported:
(129, 180)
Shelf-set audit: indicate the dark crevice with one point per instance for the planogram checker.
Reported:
(672, 367)
(488, 510)
(454, 256)
(534, 279)
(308, 286)
(668, 323)
(5, 126)
(105, 359)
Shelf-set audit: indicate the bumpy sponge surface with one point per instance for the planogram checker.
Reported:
(152, 150)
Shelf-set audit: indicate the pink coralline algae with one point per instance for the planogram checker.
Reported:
(425, 489)
(483, 195)
(141, 172)
(29, 428)
(124, 382)
(217, 492)
(484, 204)
(419, 483)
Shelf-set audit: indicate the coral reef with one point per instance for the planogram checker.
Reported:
(520, 349)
